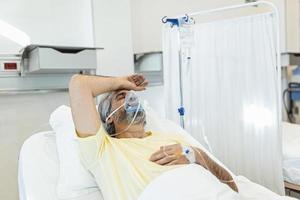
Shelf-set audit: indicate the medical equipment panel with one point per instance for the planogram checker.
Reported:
(10, 65)
(294, 102)
(57, 59)
(45, 67)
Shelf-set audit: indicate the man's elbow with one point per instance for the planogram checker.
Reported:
(75, 82)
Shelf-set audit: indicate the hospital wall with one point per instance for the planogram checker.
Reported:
(55, 22)
(147, 25)
(112, 20)
(147, 15)
(93, 24)
(48, 22)
(24, 114)
(21, 116)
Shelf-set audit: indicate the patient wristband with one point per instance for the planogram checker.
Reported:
(189, 153)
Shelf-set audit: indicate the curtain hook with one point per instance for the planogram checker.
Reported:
(164, 19)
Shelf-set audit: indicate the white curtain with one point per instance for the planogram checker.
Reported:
(230, 92)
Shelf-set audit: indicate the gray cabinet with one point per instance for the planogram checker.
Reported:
(57, 59)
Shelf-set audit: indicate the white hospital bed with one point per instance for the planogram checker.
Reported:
(291, 155)
(39, 173)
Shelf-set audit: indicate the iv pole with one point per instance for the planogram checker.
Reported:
(205, 12)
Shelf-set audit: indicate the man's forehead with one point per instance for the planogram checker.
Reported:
(115, 93)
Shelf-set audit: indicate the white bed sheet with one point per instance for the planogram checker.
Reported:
(291, 152)
(39, 169)
(198, 184)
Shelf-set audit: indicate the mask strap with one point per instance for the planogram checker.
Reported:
(113, 112)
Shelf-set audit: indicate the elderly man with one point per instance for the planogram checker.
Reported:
(114, 146)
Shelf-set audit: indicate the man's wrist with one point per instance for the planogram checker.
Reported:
(118, 82)
(200, 157)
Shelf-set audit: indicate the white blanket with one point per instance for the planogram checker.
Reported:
(193, 182)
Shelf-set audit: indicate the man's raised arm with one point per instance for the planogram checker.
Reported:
(83, 89)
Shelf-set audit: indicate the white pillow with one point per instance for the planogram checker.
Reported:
(74, 180)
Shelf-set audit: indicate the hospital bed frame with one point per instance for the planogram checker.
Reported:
(291, 187)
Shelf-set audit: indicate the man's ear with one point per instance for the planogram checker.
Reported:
(109, 120)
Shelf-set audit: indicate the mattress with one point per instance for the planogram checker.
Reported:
(291, 152)
(39, 169)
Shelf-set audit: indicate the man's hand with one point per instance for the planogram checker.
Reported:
(169, 155)
(135, 82)
(172, 155)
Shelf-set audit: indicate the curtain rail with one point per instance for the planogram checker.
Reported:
(30, 91)
(257, 3)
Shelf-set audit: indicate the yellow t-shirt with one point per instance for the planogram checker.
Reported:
(121, 167)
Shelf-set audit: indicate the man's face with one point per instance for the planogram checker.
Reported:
(118, 99)
(121, 116)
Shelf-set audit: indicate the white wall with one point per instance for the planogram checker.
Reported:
(21, 115)
(112, 20)
(55, 22)
(154, 96)
(69, 23)
(146, 18)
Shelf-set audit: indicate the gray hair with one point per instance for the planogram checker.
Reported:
(104, 110)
